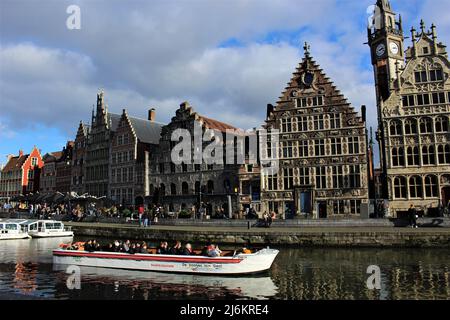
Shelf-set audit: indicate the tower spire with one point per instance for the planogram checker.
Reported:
(422, 26)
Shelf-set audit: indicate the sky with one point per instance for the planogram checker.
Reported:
(227, 58)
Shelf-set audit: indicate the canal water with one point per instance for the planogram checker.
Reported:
(26, 269)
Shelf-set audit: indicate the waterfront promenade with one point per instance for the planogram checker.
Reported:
(332, 236)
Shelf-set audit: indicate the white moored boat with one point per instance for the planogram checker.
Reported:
(11, 229)
(225, 265)
(46, 229)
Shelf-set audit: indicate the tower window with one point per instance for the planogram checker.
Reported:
(398, 157)
(423, 99)
(408, 101)
(421, 76)
(436, 75)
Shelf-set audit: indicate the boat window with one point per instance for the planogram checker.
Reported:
(56, 225)
(32, 226)
(1, 226)
(11, 226)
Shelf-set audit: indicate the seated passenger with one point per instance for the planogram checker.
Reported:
(144, 249)
(88, 246)
(163, 248)
(132, 249)
(187, 250)
(214, 251)
(176, 249)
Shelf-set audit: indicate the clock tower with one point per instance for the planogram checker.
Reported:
(386, 42)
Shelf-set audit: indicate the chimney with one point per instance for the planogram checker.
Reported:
(270, 109)
(363, 112)
(151, 115)
(20, 153)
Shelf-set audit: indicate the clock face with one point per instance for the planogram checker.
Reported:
(394, 48)
(381, 49)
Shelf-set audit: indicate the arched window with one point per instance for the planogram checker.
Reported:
(396, 128)
(410, 127)
(441, 124)
(444, 154)
(197, 187)
(185, 188)
(173, 189)
(210, 186)
(227, 185)
(413, 156)
(162, 189)
(428, 155)
(431, 187)
(398, 157)
(426, 125)
(400, 188)
(415, 187)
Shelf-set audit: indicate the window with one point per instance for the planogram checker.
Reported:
(423, 99)
(302, 124)
(438, 97)
(398, 158)
(428, 155)
(210, 186)
(304, 176)
(34, 162)
(184, 188)
(114, 158)
(303, 148)
(124, 175)
(286, 125)
(184, 167)
(410, 127)
(338, 177)
(319, 147)
(172, 167)
(335, 121)
(355, 176)
(415, 187)
(355, 206)
(436, 75)
(339, 207)
(400, 187)
(161, 168)
(272, 182)
(120, 140)
(113, 175)
(302, 102)
(288, 178)
(421, 76)
(162, 189)
(119, 175)
(353, 145)
(441, 124)
(413, 156)
(173, 189)
(131, 174)
(318, 122)
(119, 157)
(210, 167)
(444, 154)
(426, 125)
(431, 187)
(395, 128)
(321, 177)
(336, 146)
(126, 139)
(317, 101)
(408, 101)
(287, 149)
(197, 167)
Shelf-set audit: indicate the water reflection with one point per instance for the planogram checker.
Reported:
(302, 274)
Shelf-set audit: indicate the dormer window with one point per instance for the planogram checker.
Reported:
(421, 76)
(425, 50)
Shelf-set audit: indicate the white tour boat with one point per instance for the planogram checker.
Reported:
(232, 264)
(12, 229)
(46, 229)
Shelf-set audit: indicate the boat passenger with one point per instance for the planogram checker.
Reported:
(117, 246)
(88, 246)
(144, 249)
(126, 246)
(187, 250)
(205, 250)
(132, 249)
(163, 248)
(214, 251)
(108, 248)
(176, 249)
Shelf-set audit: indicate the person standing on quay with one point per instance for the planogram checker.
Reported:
(145, 218)
(412, 214)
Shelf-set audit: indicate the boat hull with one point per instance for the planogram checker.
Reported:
(239, 264)
(51, 234)
(14, 236)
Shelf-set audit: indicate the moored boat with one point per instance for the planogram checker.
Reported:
(12, 229)
(46, 229)
(233, 264)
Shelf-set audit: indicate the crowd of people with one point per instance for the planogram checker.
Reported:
(210, 250)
